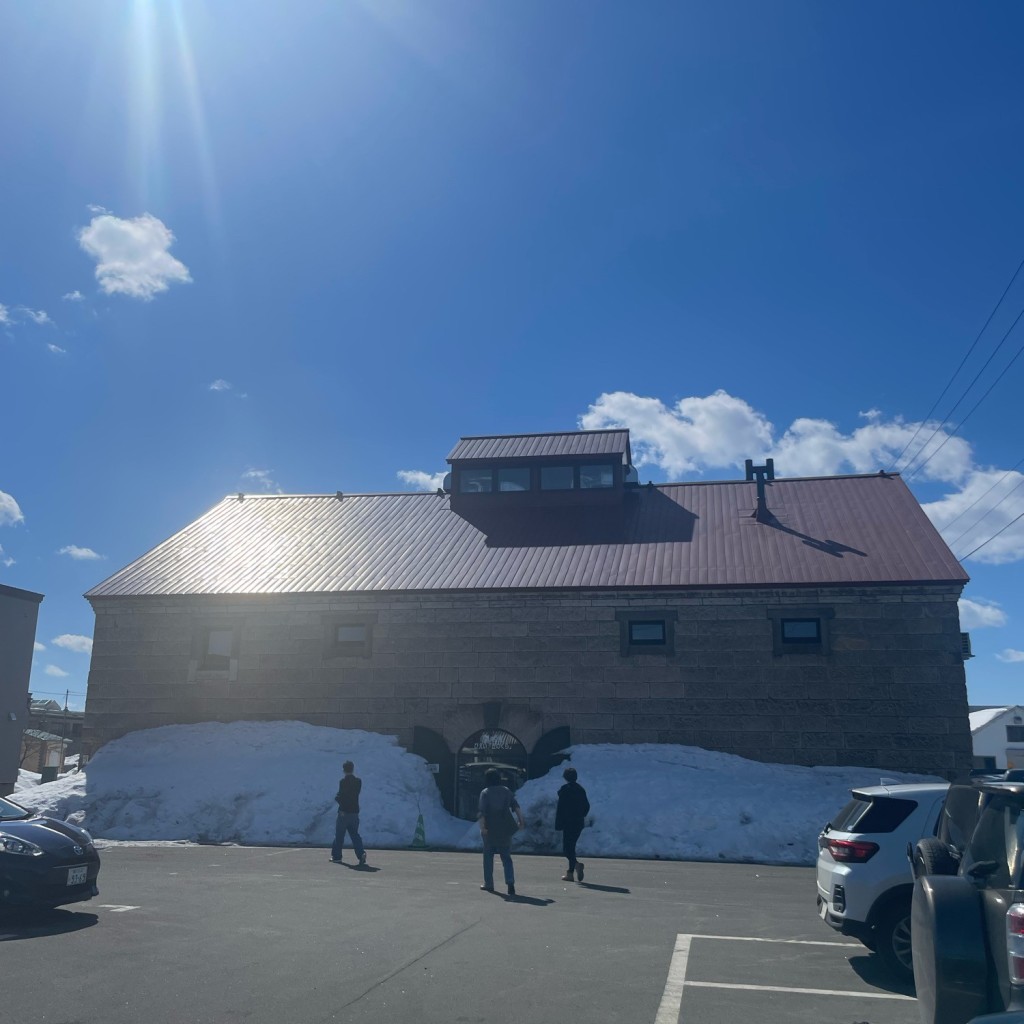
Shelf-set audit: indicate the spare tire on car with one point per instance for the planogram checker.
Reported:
(948, 941)
(932, 857)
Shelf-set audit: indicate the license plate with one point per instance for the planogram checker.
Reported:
(76, 876)
(822, 909)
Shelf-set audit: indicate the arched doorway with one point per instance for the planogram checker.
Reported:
(488, 748)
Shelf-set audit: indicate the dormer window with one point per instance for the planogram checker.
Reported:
(601, 475)
(514, 479)
(476, 481)
(557, 478)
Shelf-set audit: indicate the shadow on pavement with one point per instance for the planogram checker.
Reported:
(532, 901)
(359, 867)
(17, 923)
(871, 970)
(603, 888)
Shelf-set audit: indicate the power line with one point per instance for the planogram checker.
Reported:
(985, 495)
(978, 522)
(993, 537)
(974, 344)
(956, 429)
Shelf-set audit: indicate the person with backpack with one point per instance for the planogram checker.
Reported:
(347, 799)
(570, 817)
(500, 818)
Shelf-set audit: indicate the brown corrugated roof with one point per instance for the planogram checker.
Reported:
(542, 446)
(831, 530)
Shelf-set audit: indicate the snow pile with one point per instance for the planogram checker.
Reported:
(685, 803)
(274, 783)
(248, 782)
(26, 780)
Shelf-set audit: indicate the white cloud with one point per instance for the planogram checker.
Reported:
(421, 481)
(969, 517)
(93, 208)
(5, 314)
(38, 646)
(1010, 655)
(719, 431)
(6, 562)
(75, 296)
(221, 385)
(57, 349)
(132, 256)
(53, 670)
(10, 513)
(980, 614)
(263, 478)
(79, 554)
(73, 642)
(37, 316)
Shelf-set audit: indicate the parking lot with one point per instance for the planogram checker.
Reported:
(227, 934)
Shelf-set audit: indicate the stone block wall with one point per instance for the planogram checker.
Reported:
(889, 691)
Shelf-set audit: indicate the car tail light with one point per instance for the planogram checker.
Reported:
(1015, 942)
(852, 851)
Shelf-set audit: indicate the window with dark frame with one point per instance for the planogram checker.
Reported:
(1015, 734)
(514, 478)
(557, 478)
(476, 481)
(649, 632)
(800, 631)
(646, 631)
(601, 475)
(346, 637)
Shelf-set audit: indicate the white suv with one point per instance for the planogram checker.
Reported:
(865, 881)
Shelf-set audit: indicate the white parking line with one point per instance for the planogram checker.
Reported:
(116, 908)
(672, 998)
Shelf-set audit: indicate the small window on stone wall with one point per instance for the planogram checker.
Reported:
(350, 637)
(214, 650)
(800, 630)
(646, 632)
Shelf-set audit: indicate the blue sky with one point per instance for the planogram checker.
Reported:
(304, 247)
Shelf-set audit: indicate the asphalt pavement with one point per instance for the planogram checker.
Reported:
(212, 935)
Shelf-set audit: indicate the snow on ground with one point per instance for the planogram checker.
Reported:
(274, 783)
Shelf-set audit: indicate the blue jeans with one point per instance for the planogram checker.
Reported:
(347, 823)
(505, 853)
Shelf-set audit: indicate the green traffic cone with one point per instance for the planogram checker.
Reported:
(419, 840)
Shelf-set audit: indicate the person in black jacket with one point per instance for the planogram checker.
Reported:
(573, 808)
(347, 800)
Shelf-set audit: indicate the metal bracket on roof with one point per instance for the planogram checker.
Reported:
(241, 496)
(339, 495)
(761, 473)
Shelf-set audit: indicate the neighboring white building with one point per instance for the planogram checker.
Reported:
(997, 735)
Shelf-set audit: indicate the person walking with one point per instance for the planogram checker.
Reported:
(499, 817)
(347, 800)
(570, 817)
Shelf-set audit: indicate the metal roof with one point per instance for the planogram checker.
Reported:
(830, 530)
(542, 446)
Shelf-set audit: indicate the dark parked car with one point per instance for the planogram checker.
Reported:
(940, 854)
(968, 928)
(43, 862)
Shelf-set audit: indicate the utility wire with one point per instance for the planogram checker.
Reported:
(993, 537)
(956, 429)
(978, 522)
(985, 495)
(974, 345)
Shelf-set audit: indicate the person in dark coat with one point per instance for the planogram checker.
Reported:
(499, 816)
(347, 800)
(570, 817)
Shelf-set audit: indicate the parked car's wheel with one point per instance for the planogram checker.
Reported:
(932, 857)
(892, 940)
(950, 967)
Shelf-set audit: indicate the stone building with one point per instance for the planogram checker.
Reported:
(542, 598)
(19, 610)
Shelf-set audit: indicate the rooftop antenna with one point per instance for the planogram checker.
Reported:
(761, 473)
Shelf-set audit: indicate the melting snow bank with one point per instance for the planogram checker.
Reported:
(274, 783)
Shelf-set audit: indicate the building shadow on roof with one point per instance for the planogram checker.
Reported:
(645, 516)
